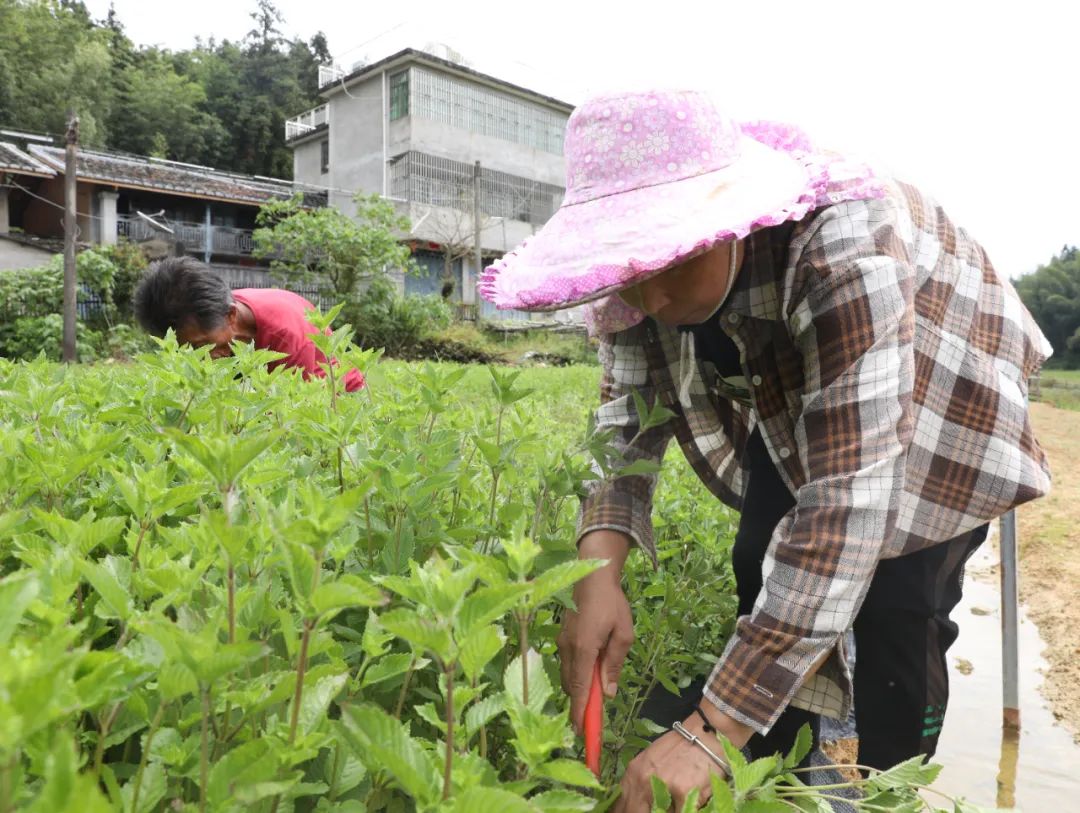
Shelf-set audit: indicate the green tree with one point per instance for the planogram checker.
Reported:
(252, 87)
(223, 104)
(326, 245)
(1052, 294)
(160, 112)
(52, 57)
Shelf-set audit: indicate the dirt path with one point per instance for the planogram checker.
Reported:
(1049, 531)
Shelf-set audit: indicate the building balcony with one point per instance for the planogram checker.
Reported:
(195, 237)
(328, 74)
(307, 122)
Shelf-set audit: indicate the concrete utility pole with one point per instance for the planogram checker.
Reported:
(476, 233)
(70, 228)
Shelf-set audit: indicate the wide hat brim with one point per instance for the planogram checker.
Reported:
(591, 249)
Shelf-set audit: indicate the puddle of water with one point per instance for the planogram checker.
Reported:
(1038, 771)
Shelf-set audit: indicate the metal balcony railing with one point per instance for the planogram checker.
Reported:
(306, 122)
(328, 74)
(224, 240)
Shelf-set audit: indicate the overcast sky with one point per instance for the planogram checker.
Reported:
(976, 102)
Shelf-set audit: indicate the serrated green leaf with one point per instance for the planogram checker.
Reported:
(316, 701)
(17, 593)
(489, 450)
(389, 666)
(246, 764)
(350, 770)
(382, 743)
(569, 772)
(751, 776)
(421, 633)
(561, 577)
(723, 800)
(639, 467)
(903, 775)
(661, 796)
(228, 658)
(490, 800)
(477, 650)
(763, 806)
(804, 740)
(488, 604)
(151, 791)
(562, 801)
(540, 689)
(346, 591)
(690, 803)
(104, 582)
(482, 712)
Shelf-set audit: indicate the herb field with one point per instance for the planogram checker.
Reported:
(228, 590)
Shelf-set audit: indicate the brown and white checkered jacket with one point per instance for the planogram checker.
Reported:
(887, 365)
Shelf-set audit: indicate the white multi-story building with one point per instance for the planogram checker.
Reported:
(430, 133)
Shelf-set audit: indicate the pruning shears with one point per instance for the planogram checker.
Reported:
(594, 722)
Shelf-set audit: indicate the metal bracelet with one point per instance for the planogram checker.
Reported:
(685, 733)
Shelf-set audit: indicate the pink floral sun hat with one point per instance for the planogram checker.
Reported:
(653, 179)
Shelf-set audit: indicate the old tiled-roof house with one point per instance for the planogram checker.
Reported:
(168, 206)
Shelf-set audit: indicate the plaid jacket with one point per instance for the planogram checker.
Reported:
(887, 363)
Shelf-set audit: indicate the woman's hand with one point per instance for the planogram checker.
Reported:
(679, 763)
(602, 625)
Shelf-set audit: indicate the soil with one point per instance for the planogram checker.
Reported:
(1049, 534)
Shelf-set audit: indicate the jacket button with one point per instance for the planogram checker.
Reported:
(756, 380)
(784, 452)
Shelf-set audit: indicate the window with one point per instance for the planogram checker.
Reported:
(479, 109)
(438, 181)
(399, 95)
(324, 156)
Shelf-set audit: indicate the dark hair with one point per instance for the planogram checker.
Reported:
(177, 291)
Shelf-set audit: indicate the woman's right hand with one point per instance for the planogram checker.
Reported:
(601, 625)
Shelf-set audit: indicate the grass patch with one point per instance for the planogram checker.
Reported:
(1058, 388)
(520, 346)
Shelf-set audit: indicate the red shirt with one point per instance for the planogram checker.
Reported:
(281, 325)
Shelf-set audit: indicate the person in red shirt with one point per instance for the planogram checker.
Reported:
(183, 294)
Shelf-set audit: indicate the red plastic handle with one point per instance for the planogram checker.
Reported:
(594, 722)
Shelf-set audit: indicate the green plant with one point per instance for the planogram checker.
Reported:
(31, 301)
(227, 589)
(330, 247)
(383, 318)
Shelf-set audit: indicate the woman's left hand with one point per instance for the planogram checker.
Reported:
(679, 763)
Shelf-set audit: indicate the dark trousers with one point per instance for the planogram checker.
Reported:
(902, 630)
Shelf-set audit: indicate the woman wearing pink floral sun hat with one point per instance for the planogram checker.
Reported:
(845, 368)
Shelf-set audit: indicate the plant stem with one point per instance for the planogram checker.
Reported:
(449, 730)
(332, 792)
(231, 577)
(301, 668)
(340, 470)
(523, 637)
(138, 545)
(457, 491)
(539, 507)
(105, 726)
(183, 414)
(404, 688)
(7, 802)
(370, 541)
(145, 756)
(204, 766)
(491, 513)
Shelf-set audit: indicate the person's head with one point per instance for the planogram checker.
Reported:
(183, 294)
(658, 185)
(689, 292)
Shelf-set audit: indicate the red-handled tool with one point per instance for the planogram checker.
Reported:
(594, 722)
